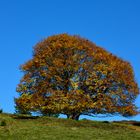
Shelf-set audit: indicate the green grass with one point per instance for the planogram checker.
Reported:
(47, 128)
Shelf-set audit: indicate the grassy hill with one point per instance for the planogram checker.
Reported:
(47, 128)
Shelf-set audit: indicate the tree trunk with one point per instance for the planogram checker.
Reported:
(73, 116)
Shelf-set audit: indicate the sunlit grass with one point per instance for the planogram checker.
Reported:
(46, 128)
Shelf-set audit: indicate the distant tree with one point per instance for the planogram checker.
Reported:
(1, 111)
(44, 113)
(73, 76)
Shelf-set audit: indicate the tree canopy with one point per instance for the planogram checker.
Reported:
(73, 76)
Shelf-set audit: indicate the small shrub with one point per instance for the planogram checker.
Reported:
(105, 121)
(3, 123)
(24, 116)
(136, 123)
(1, 110)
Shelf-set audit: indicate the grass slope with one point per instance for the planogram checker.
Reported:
(46, 128)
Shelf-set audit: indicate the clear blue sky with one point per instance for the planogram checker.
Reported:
(112, 24)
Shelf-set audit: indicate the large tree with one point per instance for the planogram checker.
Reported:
(71, 75)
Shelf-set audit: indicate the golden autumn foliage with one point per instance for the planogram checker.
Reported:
(73, 76)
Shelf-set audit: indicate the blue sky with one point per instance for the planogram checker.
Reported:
(111, 24)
